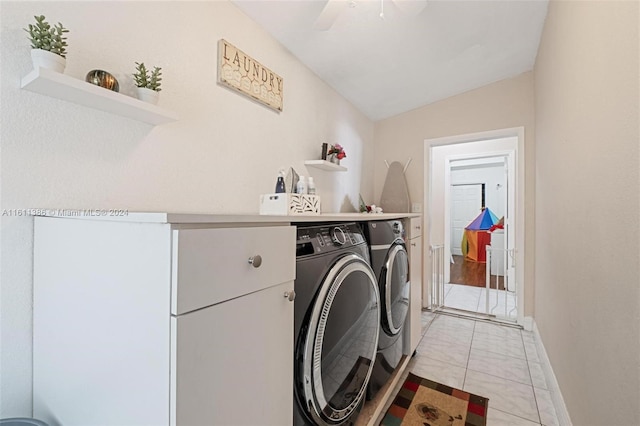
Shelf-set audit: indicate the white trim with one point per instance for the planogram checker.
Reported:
(391, 389)
(447, 217)
(520, 202)
(528, 323)
(426, 227)
(552, 383)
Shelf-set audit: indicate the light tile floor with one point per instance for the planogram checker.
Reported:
(495, 361)
(469, 298)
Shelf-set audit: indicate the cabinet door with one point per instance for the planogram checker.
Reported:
(232, 362)
(414, 332)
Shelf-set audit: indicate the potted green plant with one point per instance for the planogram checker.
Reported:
(48, 43)
(148, 82)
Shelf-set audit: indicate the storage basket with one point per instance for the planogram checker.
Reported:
(289, 204)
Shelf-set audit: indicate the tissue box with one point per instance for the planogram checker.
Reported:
(289, 204)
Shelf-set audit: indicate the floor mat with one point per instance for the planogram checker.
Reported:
(423, 402)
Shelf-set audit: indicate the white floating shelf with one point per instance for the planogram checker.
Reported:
(61, 86)
(325, 165)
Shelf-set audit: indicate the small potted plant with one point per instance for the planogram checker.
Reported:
(48, 44)
(336, 153)
(148, 82)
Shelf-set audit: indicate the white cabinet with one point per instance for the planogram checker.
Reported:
(413, 333)
(156, 324)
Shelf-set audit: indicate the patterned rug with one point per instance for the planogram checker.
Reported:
(422, 402)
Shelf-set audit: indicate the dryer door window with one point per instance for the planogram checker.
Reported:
(395, 291)
(341, 341)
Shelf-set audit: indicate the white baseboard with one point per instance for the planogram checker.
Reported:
(556, 395)
(528, 323)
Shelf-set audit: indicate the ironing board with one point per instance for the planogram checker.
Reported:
(395, 193)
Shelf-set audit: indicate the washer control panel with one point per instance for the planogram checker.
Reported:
(325, 238)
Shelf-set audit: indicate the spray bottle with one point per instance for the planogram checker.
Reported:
(280, 188)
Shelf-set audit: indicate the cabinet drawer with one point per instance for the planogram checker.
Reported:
(212, 265)
(415, 227)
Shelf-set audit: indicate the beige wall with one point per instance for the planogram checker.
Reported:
(505, 104)
(587, 207)
(223, 152)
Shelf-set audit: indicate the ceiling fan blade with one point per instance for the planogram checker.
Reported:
(329, 14)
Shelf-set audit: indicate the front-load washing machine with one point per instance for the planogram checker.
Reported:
(336, 317)
(390, 263)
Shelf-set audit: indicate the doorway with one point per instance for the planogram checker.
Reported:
(478, 201)
(453, 188)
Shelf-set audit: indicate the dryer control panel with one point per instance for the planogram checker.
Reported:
(384, 232)
(326, 238)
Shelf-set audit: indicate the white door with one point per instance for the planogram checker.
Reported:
(466, 204)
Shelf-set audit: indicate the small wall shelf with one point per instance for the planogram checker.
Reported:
(325, 165)
(61, 86)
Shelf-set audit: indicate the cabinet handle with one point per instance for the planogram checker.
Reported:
(256, 261)
(413, 244)
(291, 295)
(417, 226)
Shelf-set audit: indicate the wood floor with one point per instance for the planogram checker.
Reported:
(471, 273)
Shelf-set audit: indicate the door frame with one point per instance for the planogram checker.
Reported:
(518, 224)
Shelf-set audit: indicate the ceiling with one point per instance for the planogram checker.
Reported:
(408, 59)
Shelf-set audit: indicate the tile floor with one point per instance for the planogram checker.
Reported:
(495, 361)
(501, 303)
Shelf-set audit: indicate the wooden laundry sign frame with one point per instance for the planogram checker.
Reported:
(241, 72)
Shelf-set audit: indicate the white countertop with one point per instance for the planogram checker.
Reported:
(202, 218)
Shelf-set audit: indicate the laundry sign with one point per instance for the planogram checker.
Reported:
(241, 72)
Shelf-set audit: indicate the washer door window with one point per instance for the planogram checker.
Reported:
(341, 341)
(395, 291)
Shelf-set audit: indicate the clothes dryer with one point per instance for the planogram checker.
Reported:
(390, 263)
(336, 317)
